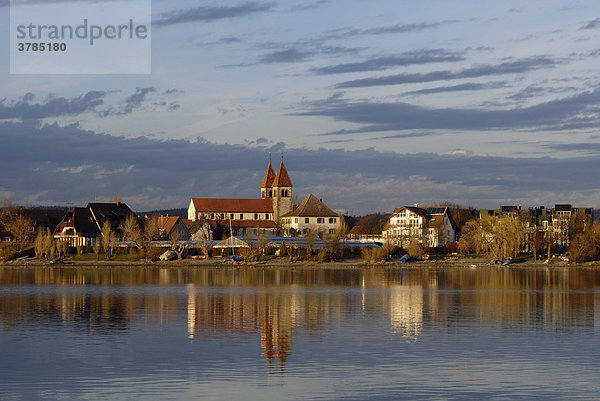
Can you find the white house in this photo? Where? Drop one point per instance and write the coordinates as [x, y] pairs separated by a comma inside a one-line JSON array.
[[430, 226], [311, 215]]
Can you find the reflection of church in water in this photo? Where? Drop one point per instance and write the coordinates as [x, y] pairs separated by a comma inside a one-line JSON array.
[[270, 315]]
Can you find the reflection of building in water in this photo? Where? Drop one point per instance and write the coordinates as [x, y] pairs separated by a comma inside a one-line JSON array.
[[406, 310], [191, 310], [276, 327], [270, 314], [269, 304]]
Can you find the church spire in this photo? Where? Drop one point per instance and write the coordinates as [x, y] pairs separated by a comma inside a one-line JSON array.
[[267, 181], [282, 179]]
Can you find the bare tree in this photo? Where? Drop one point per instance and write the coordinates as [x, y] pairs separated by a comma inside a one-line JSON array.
[[38, 245], [309, 236], [151, 230], [97, 246], [20, 228], [62, 247], [176, 246], [132, 231], [107, 238]]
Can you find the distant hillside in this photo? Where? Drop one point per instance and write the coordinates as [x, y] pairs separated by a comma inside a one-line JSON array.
[[30, 207], [171, 212]]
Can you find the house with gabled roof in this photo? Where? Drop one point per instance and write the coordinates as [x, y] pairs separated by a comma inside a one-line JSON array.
[[248, 216], [429, 226], [169, 226], [311, 215], [78, 228], [82, 226]]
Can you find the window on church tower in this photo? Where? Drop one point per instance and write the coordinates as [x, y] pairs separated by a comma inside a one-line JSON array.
[[241, 216], [255, 216]]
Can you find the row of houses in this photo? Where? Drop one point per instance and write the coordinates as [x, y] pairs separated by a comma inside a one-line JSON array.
[[276, 214]]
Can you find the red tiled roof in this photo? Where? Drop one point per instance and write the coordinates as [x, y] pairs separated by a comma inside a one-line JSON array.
[[311, 207], [167, 223], [282, 179], [187, 222], [267, 181], [233, 205]]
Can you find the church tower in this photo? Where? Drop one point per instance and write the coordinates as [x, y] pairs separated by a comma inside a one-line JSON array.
[[266, 187], [282, 192]]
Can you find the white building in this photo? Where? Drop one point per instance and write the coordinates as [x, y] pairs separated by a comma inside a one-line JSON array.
[[311, 215], [430, 226]]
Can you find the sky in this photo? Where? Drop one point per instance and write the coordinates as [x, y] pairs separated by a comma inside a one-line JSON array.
[[373, 104]]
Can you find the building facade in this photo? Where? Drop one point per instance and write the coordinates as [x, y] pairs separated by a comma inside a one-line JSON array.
[[248, 216], [429, 226], [311, 216]]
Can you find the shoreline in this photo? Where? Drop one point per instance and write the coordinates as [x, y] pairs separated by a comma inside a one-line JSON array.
[[463, 263]]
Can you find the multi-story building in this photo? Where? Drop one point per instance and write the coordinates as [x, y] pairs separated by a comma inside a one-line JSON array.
[[249, 216], [311, 215], [429, 226]]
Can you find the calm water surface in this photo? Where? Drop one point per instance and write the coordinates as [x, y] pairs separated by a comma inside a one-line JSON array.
[[303, 334]]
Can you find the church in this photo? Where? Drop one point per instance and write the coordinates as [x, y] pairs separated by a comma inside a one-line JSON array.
[[249, 216], [274, 213]]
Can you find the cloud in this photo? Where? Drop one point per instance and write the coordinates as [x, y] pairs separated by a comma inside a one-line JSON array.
[[52, 106], [469, 86], [173, 91], [309, 6], [131, 103], [381, 63], [507, 67], [285, 56], [51, 164], [579, 111], [593, 24], [297, 52], [585, 147], [343, 33], [224, 40], [212, 13], [137, 98], [534, 91]]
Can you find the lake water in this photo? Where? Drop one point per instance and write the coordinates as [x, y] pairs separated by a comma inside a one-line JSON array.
[[300, 334]]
